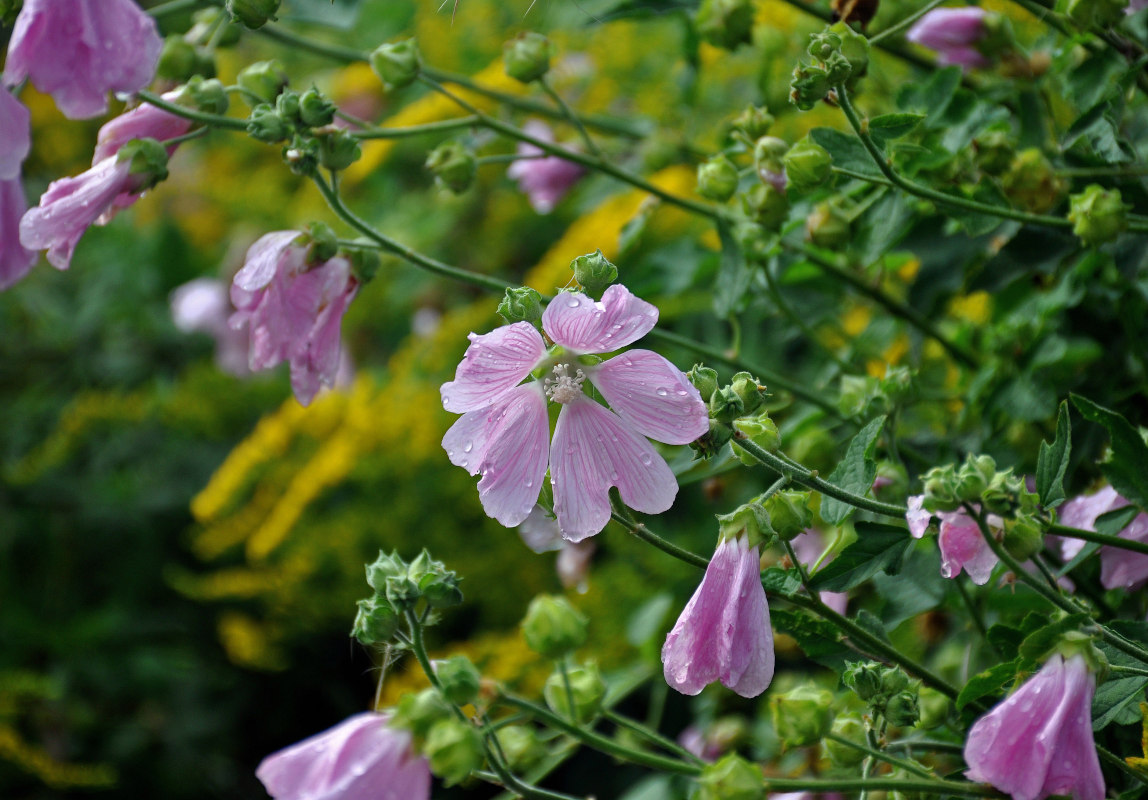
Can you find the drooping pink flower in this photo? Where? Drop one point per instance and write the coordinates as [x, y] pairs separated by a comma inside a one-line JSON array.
[[15, 259], [960, 541], [540, 533], [143, 122], [1038, 741], [723, 633], [504, 427], [79, 50], [15, 135], [203, 306], [544, 181], [808, 546], [294, 310], [1119, 569], [361, 758], [953, 33]]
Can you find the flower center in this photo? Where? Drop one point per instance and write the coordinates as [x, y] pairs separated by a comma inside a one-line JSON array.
[[562, 388]]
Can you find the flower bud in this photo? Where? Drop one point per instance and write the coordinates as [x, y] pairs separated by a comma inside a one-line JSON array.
[[206, 27], [401, 592], [711, 443], [321, 242], [253, 14], [753, 123], [995, 150], [263, 79], [768, 152], [177, 59], [725, 23], [375, 622], [750, 520], [552, 627], [827, 226], [731, 778], [417, 712], [801, 716], [847, 726], [526, 58], [1031, 182], [971, 481], [453, 165], [315, 110], [397, 64], [864, 678], [287, 104], [704, 379], [1023, 538], [364, 262], [807, 165], [454, 750], [749, 389], [1098, 215], [789, 513], [586, 687], [855, 49], [762, 431], [459, 679], [766, 205], [893, 680], [383, 567], [824, 44], [148, 159], [339, 150], [934, 708], [207, 94], [521, 304], [941, 489], [902, 710], [1002, 496], [717, 179], [436, 584], [520, 745], [837, 69], [594, 272], [726, 405], [808, 86]]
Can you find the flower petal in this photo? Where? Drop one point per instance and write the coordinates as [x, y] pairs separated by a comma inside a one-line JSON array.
[[1075, 767], [653, 396], [963, 546], [1121, 568], [746, 633], [15, 135], [506, 442], [578, 323], [917, 517], [262, 261], [593, 450], [494, 363]]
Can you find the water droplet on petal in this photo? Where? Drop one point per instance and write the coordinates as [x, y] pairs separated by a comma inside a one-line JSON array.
[[662, 392], [468, 447], [646, 459], [573, 303]]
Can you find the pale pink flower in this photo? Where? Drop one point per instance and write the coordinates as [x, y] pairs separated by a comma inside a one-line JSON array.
[[1136, 5], [808, 546], [1119, 569], [203, 306], [15, 259], [294, 310], [15, 135], [1038, 741], [143, 122], [953, 33], [79, 50], [361, 758], [960, 541], [544, 181], [723, 633], [503, 431], [540, 533]]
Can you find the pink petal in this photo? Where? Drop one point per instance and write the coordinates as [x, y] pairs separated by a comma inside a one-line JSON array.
[[1075, 767], [593, 450], [507, 443], [494, 363], [578, 323], [143, 122], [1081, 512], [963, 546], [652, 396], [15, 259], [262, 261], [917, 517], [1123, 569], [15, 135], [316, 355]]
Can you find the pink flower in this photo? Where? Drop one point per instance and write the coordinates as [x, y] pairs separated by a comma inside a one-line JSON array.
[[79, 50], [294, 310], [15, 135], [540, 533], [504, 426], [1119, 569], [203, 306], [723, 633], [1038, 741], [953, 33], [808, 546], [545, 181], [1136, 5], [361, 758], [960, 541], [143, 122], [15, 259]]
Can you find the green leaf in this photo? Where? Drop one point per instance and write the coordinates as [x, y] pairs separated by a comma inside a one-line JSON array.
[[1127, 470], [1037, 644], [872, 624], [846, 150], [643, 9], [855, 473], [1052, 461], [817, 638], [647, 621], [989, 683], [1118, 702], [878, 547], [887, 127], [1110, 523], [733, 274], [933, 96], [785, 582], [1005, 639]]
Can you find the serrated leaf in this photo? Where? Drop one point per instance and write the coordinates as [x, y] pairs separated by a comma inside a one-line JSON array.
[[1052, 461], [1037, 644], [1117, 702], [846, 150], [817, 638], [878, 547], [855, 473], [733, 274], [1005, 639], [989, 683], [785, 582], [887, 127], [1127, 470]]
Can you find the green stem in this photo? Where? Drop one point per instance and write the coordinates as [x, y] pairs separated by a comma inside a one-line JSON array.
[[905, 23], [1116, 761], [1129, 670], [908, 766], [651, 735], [175, 6], [1100, 538], [570, 116], [397, 132], [929, 744], [648, 536], [867, 767], [202, 117], [974, 612]]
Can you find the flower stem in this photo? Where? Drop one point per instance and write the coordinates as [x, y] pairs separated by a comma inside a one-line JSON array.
[[175, 6], [202, 117], [446, 125], [651, 735], [908, 766], [570, 116], [905, 23], [1100, 538], [647, 535]]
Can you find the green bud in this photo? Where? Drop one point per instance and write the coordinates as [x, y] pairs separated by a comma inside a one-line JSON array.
[[726, 405], [855, 49], [717, 179], [801, 716], [253, 14], [864, 678], [176, 60], [458, 678], [594, 272], [552, 627], [315, 110], [828, 226], [383, 567], [1031, 182], [148, 159], [749, 389], [902, 710], [971, 481], [206, 27], [207, 94], [1095, 13], [750, 520], [339, 150], [1078, 643], [808, 86], [1002, 496], [711, 443], [768, 152], [321, 242], [401, 592], [731, 778], [847, 726], [521, 304], [397, 64], [766, 205], [789, 513], [1098, 215], [934, 708], [824, 44], [893, 680], [264, 79], [287, 104], [762, 431], [586, 687], [364, 262], [375, 622], [1023, 538], [204, 63], [807, 165], [995, 150], [725, 23], [837, 69], [454, 166], [941, 489], [417, 712], [526, 58], [520, 745], [704, 379], [454, 750], [435, 583], [753, 123]]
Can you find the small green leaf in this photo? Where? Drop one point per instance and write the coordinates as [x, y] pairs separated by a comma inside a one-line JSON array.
[[1118, 702], [817, 638], [733, 274], [785, 582], [1037, 644], [1052, 461], [855, 473], [887, 127], [1127, 470], [846, 150], [989, 683], [878, 547], [1110, 523]]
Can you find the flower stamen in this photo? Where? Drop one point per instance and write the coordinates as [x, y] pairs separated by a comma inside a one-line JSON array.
[[563, 388]]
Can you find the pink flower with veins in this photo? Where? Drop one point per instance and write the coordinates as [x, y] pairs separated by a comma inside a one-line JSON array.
[[1038, 741], [953, 34], [361, 758], [724, 632], [544, 181], [960, 541], [15, 135], [504, 429], [808, 547], [1119, 569]]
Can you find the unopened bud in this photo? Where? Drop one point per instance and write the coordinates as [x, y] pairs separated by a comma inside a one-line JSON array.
[[801, 716], [1098, 215], [750, 520], [594, 272], [768, 152], [753, 123], [1023, 538], [731, 778], [855, 49], [177, 59], [725, 23], [253, 14], [847, 726], [761, 430], [520, 745], [864, 678], [808, 86], [397, 64], [417, 712], [454, 166], [315, 110], [521, 304], [587, 689], [941, 489], [726, 405], [375, 622], [148, 160], [207, 94], [339, 150], [749, 389], [902, 709], [383, 567], [717, 179], [263, 79], [287, 104], [364, 262], [526, 58], [207, 28], [552, 627], [807, 165], [458, 678], [789, 513], [1031, 182], [766, 205], [454, 750], [321, 242], [704, 379]]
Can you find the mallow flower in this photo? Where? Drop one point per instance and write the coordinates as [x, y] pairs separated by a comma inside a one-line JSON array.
[[361, 758], [79, 50], [15, 135], [294, 309], [504, 429], [546, 180], [1038, 741], [723, 634], [960, 541], [15, 141], [953, 33], [203, 306], [808, 546], [1119, 569]]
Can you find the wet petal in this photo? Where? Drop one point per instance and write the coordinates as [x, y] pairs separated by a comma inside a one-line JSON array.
[[576, 322], [1122, 568], [653, 396], [963, 547], [917, 517], [494, 363], [747, 635], [262, 261]]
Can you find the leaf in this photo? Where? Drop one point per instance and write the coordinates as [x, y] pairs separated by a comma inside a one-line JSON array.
[[887, 127], [877, 548], [916, 588], [641, 9], [733, 274], [933, 96], [846, 150], [855, 473], [872, 624], [1118, 702], [989, 683], [1052, 461], [1127, 470], [1037, 644], [1005, 639], [785, 582], [1110, 523], [647, 621], [817, 638]]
